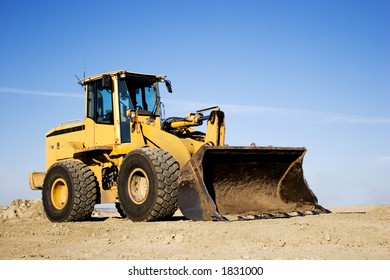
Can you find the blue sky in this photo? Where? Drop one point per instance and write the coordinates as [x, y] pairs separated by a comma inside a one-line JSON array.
[[286, 73]]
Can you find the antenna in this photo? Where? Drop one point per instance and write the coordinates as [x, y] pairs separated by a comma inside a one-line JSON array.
[[84, 69], [79, 81]]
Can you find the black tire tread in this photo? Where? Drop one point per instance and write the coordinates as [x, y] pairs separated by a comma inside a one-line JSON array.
[[84, 189], [119, 209], [167, 175]]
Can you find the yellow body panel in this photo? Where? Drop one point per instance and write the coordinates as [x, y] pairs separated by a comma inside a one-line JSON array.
[[36, 180], [104, 134], [63, 141], [168, 142]]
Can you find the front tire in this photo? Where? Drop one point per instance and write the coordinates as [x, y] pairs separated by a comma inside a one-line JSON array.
[[120, 210], [69, 191], [147, 184]]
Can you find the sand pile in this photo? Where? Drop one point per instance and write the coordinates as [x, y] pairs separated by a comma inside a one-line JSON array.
[[25, 209], [22, 209]]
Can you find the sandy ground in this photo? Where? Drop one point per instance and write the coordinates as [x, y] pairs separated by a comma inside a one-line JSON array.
[[353, 233]]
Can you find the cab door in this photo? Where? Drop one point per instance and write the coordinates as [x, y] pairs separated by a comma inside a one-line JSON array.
[[100, 129]]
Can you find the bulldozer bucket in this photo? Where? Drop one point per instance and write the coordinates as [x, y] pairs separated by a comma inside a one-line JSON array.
[[222, 181]]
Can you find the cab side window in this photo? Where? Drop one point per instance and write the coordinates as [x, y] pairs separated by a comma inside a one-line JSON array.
[[99, 106]]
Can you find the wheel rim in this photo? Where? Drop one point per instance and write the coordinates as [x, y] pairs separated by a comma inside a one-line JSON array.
[[138, 186], [59, 194]]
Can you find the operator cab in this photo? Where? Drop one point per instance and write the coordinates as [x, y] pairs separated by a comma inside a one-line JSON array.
[[111, 95]]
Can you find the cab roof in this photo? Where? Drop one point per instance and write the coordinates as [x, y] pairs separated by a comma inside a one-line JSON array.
[[117, 72]]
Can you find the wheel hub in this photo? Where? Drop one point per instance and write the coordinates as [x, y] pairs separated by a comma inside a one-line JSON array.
[[59, 194], [138, 186]]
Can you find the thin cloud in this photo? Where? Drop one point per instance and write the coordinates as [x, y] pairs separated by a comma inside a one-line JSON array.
[[38, 92], [316, 117], [258, 109], [385, 159], [352, 119], [234, 109]]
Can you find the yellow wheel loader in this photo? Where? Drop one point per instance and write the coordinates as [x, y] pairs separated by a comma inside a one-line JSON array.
[[125, 153]]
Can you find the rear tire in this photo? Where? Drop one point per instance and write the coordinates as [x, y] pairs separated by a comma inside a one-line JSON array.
[[69, 191], [147, 184]]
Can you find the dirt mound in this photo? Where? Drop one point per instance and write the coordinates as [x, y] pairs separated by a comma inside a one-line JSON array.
[[26, 209], [22, 209]]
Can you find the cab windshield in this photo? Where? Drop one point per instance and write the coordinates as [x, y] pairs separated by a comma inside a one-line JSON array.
[[139, 93]]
